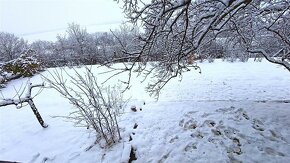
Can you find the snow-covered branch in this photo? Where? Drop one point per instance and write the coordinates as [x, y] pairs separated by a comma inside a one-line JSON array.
[[20, 100], [174, 31], [28, 98], [271, 59]]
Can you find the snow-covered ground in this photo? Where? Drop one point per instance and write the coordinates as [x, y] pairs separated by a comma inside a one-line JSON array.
[[232, 112]]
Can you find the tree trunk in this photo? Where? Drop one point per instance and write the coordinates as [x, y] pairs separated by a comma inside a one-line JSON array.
[[36, 113]]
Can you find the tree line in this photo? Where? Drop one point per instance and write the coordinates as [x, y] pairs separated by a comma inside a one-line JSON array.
[[75, 47]]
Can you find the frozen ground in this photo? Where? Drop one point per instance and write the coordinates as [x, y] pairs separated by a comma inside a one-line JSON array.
[[232, 112]]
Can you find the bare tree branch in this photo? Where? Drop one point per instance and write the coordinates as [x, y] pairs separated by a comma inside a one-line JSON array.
[[270, 59], [26, 99]]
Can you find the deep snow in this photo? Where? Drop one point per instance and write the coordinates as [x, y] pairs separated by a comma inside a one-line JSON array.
[[231, 112]]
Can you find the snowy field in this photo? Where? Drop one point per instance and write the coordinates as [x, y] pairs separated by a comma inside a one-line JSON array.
[[232, 112]]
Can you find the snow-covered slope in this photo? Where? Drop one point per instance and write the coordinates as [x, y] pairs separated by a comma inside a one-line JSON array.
[[232, 112]]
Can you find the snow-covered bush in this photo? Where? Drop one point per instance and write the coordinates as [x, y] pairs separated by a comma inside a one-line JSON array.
[[25, 65], [5, 77], [96, 107]]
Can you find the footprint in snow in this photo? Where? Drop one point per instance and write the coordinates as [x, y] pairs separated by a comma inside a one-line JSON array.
[[164, 158], [188, 122], [216, 132], [206, 115], [216, 140], [172, 140], [209, 123], [230, 132], [48, 159], [233, 159], [190, 114], [273, 136], [198, 135], [225, 110], [278, 135], [258, 125], [245, 115], [234, 149], [135, 126], [241, 114], [271, 151], [190, 147], [188, 125]]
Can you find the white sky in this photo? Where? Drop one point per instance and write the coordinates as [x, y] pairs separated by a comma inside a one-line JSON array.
[[44, 19]]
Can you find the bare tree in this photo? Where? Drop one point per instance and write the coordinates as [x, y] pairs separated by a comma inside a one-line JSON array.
[[77, 47], [174, 30], [261, 28], [177, 29], [11, 46], [77, 37], [272, 27], [45, 51], [124, 40]]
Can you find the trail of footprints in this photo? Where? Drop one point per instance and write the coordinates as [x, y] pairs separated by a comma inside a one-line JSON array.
[[218, 133]]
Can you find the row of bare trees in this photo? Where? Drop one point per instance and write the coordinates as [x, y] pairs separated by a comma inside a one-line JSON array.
[[75, 47], [11, 46]]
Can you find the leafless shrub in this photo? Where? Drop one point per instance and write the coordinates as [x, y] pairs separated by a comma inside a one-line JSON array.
[[96, 106]]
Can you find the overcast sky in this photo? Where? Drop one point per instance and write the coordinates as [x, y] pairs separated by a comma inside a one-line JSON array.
[[44, 19]]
